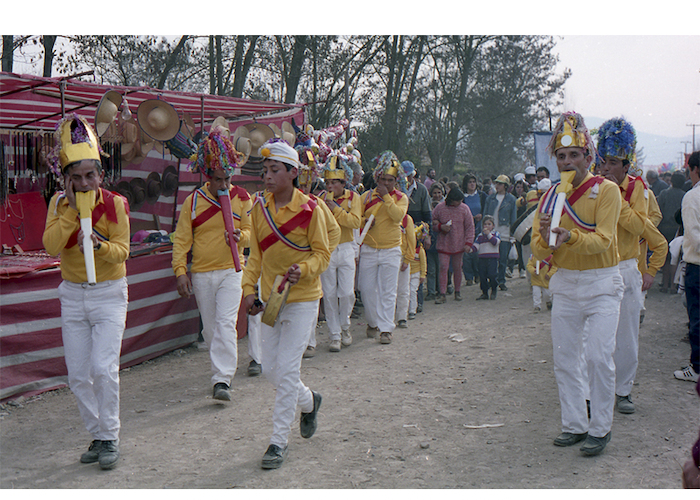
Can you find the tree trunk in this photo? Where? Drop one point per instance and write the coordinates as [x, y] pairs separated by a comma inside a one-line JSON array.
[[219, 67], [171, 61], [7, 52], [48, 41], [294, 75], [212, 81]]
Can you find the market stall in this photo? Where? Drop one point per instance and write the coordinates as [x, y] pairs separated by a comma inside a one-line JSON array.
[[148, 170]]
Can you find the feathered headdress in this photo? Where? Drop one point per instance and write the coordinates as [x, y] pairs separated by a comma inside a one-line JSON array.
[[336, 167], [570, 131], [215, 152], [617, 139], [422, 230], [75, 141]]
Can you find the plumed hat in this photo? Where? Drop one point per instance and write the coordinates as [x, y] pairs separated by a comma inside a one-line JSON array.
[[75, 141], [570, 131], [215, 152], [388, 163], [336, 167], [617, 139]]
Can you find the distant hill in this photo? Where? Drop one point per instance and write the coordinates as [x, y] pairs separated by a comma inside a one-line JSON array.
[[658, 149]]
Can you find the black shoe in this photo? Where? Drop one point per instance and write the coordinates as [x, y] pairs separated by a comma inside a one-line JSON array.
[[254, 368], [493, 294], [484, 296], [595, 445], [503, 287], [109, 454], [274, 457], [569, 438], [221, 392], [93, 454], [307, 422]]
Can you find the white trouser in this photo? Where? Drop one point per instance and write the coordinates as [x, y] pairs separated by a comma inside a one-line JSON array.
[[414, 284], [218, 295], [93, 318], [627, 338], [338, 282], [584, 321], [254, 344], [403, 293], [282, 349], [312, 334], [537, 293], [379, 273]]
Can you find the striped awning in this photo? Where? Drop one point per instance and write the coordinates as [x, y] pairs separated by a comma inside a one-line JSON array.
[[34, 103]]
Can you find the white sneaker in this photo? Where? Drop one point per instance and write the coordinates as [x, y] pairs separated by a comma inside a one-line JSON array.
[[686, 373], [345, 337], [523, 273], [335, 346]]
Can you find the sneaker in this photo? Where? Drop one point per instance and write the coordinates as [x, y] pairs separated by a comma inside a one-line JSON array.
[[307, 421], [687, 373], [641, 318], [274, 457], [469, 282], [537, 309], [221, 392], [109, 455], [450, 289], [402, 323], [430, 296], [412, 315], [310, 352], [345, 338], [595, 445], [483, 296], [321, 320], [334, 346], [549, 306], [569, 438], [440, 299], [372, 332], [503, 287], [254, 369], [419, 308], [458, 295], [385, 338], [624, 404], [93, 454], [476, 279], [509, 273]]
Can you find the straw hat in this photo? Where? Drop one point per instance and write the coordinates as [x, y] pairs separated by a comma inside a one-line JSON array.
[[259, 134], [242, 145], [222, 124], [107, 111], [169, 181], [288, 133], [276, 130], [503, 179], [153, 188], [158, 119]]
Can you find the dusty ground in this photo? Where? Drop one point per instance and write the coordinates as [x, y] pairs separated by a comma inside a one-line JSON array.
[[392, 416]]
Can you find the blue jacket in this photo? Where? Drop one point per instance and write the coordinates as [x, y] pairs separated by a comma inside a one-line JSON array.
[[507, 214]]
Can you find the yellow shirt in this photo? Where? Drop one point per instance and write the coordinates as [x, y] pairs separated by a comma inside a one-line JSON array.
[[408, 239], [419, 264], [348, 215], [657, 244], [633, 217], [388, 214], [655, 215], [210, 250], [545, 270], [586, 249], [531, 199], [277, 258], [62, 222], [334, 230]]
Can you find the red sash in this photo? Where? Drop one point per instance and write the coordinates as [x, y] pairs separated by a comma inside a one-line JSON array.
[[213, 209], [105, 208], [583, 188], [630, 188], [302, 220]]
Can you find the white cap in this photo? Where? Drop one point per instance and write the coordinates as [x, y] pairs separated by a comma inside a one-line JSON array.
[[544, 184], [530, 170]]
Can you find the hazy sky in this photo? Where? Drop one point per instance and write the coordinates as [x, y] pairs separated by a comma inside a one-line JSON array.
[[654, 81]]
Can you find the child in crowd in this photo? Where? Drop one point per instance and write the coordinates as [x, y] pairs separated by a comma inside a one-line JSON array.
[[419, 268], [403, 291], [540, 273], [486, 244]]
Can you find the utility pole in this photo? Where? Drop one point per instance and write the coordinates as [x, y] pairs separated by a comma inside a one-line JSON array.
[[693, 125], [686, 145]]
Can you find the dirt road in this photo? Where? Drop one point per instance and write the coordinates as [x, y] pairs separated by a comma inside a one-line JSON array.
[[393, 416]]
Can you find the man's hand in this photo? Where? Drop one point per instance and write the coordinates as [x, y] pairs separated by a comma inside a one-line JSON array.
[[563, 235], [184, 286], [249, 305], [236, 236], [404, 266], [647, 281], [545, 221], [95, 241], [70, 192], [382, 190], [294, 274]]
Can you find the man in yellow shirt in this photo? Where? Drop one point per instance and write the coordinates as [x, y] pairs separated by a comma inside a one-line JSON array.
[[338, 281], [93, 316], [216, 283], [616, 150], [289, 237], [587, 288], [380, 253]]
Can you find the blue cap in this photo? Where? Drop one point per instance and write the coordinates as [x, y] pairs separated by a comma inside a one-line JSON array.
[[408, 167]]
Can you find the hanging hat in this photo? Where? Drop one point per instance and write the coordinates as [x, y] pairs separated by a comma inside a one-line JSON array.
[[503, 179], [289, 134], [107, 111], [169, 181], [75, 141], [221, 124], [153, 188], [124, 189], [215, 152], [259, 134], [276, 130], [570, 131], [138, 188], [147, 143], [158, 119], [408, 167], [388, 163], [336, 167], [242, 145], [617, 139]]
